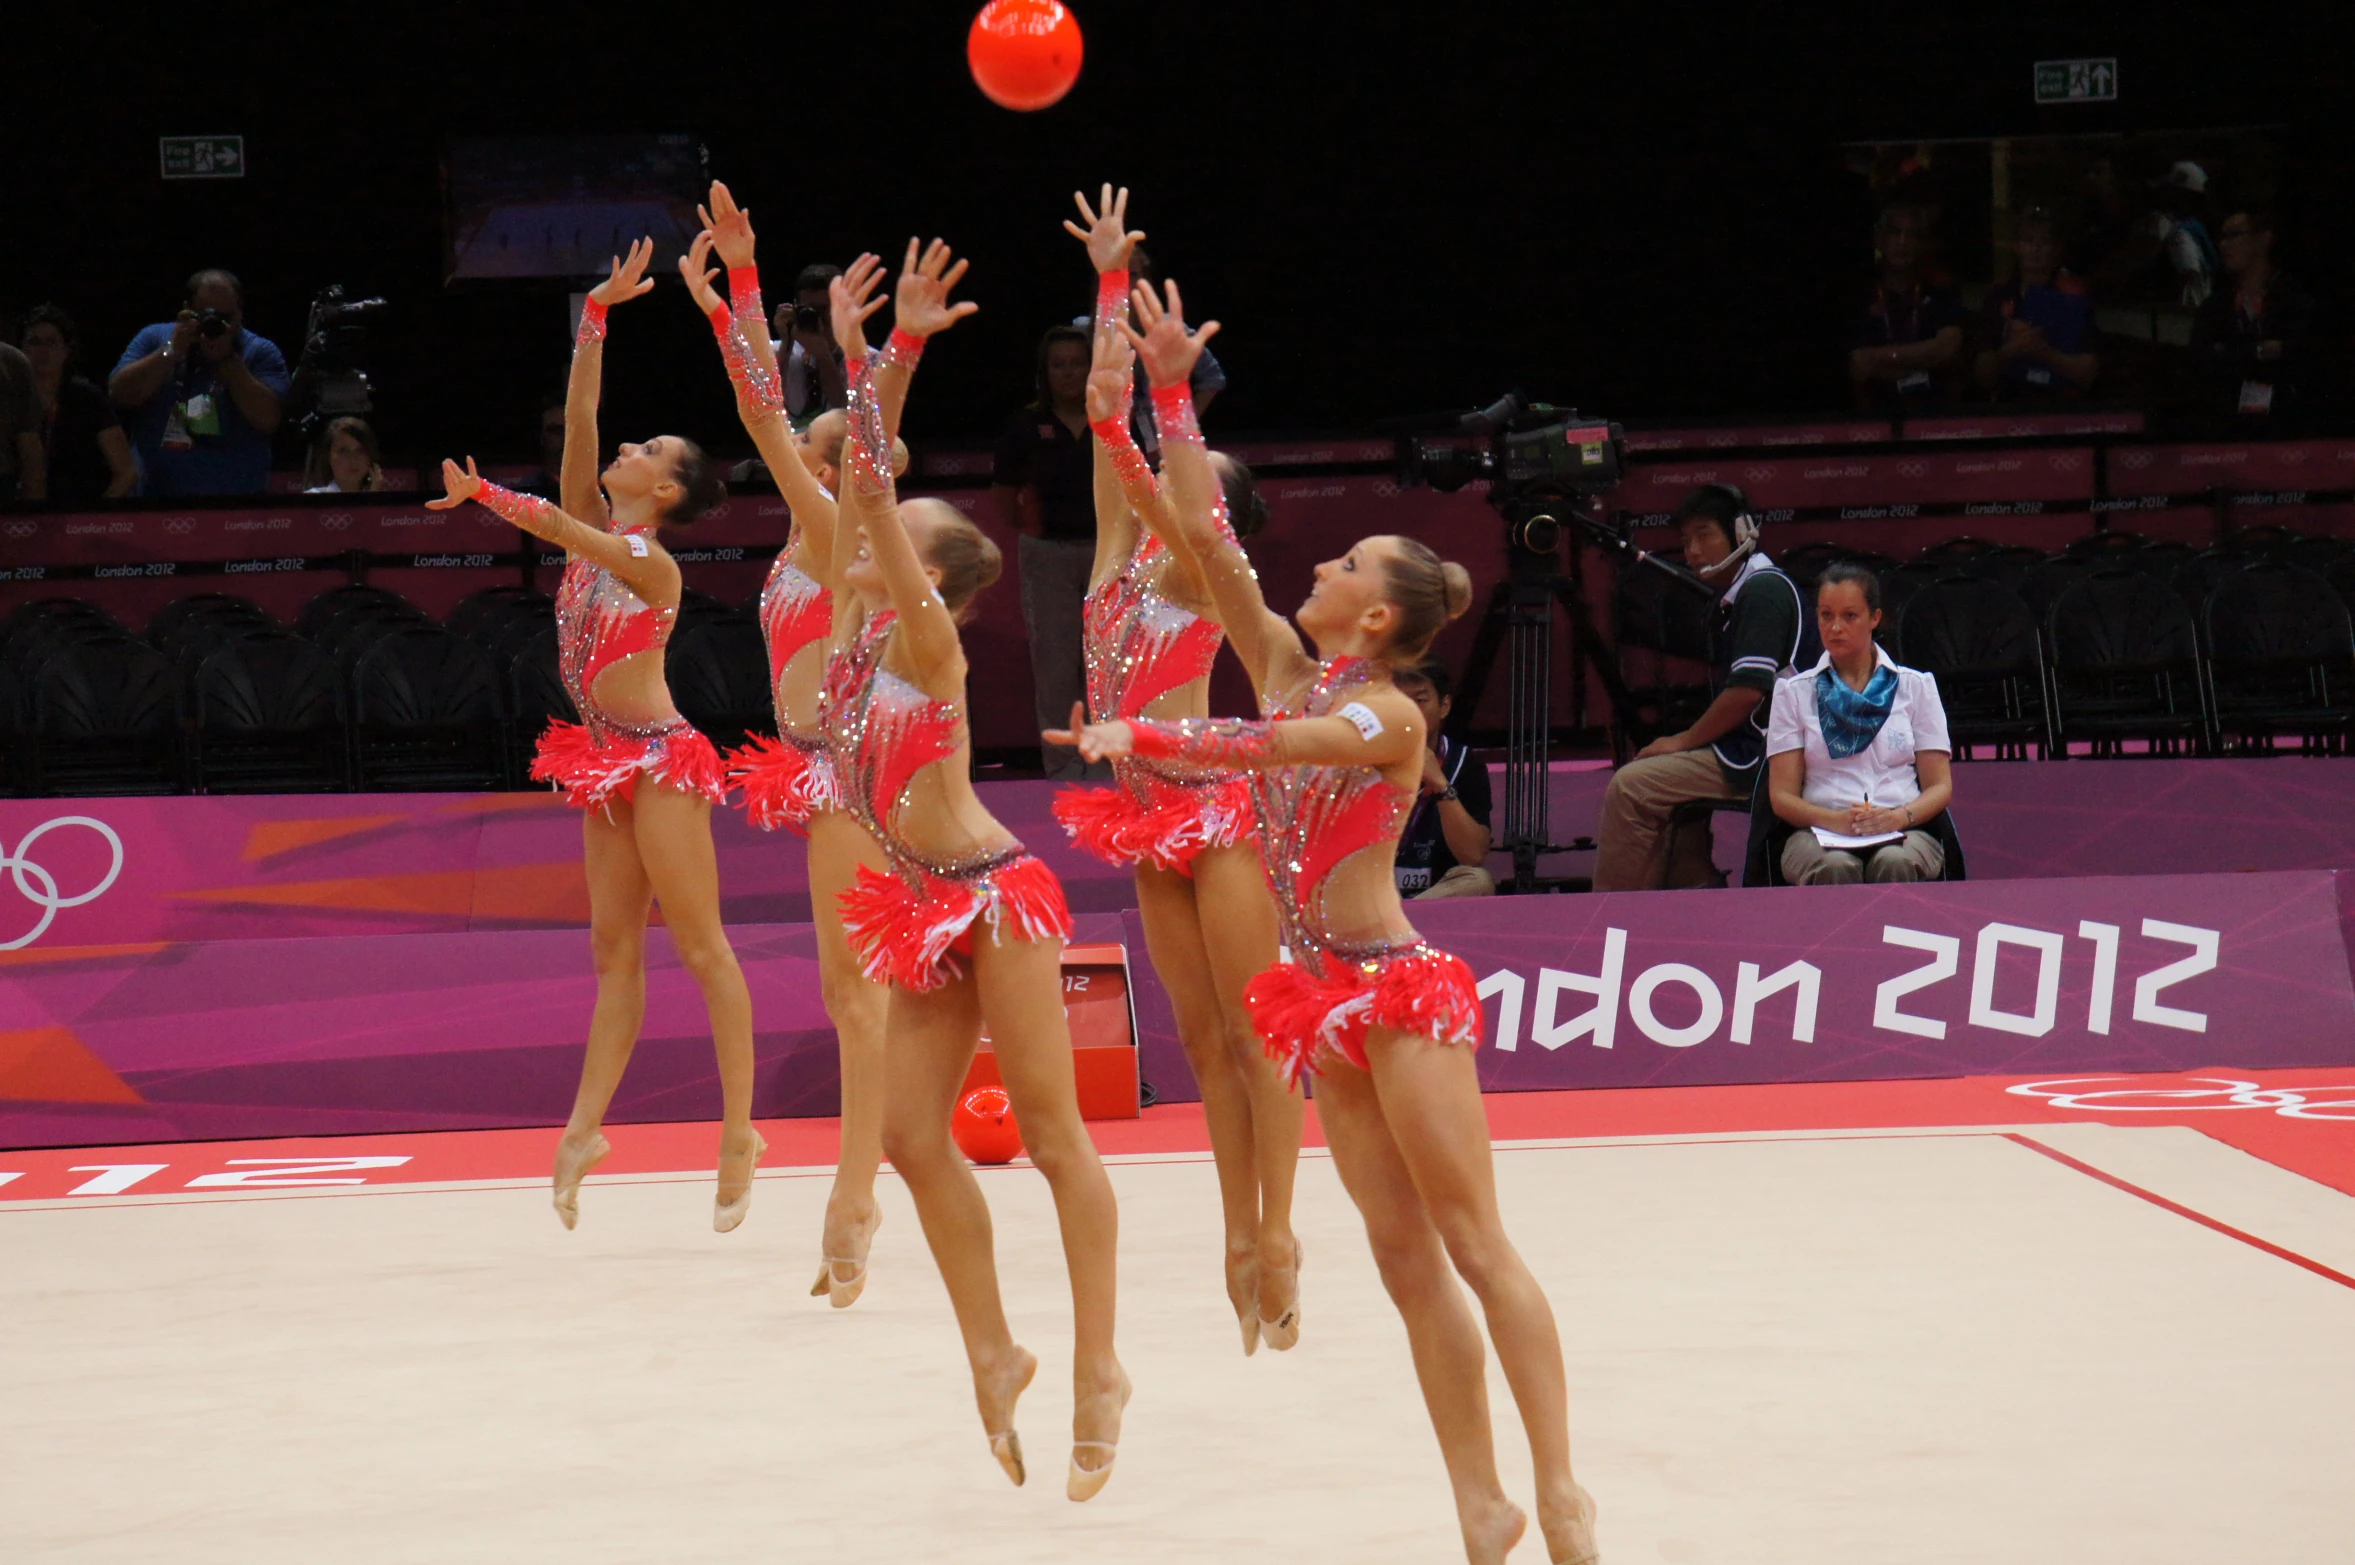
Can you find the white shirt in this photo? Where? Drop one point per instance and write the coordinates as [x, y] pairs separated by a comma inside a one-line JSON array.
[[1882, 773]]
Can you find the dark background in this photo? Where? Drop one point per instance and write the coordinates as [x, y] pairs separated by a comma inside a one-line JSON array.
[[1641, 209]]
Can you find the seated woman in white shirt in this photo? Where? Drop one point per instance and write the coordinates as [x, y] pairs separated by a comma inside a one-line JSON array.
[[1857, 756]]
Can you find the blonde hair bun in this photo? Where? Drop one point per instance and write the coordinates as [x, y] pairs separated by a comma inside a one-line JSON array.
[[1459, 588]]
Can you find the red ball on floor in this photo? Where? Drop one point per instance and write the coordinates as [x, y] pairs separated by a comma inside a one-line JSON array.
[[984, 1126]]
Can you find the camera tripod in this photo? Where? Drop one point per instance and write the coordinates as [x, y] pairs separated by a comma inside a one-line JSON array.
[[1518, 624]]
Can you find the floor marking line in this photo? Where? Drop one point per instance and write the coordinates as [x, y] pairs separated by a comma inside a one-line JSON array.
[[2180, 1210]]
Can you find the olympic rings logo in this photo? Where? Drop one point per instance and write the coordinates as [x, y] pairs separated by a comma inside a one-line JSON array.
[[2212, 1092], [40, 887]]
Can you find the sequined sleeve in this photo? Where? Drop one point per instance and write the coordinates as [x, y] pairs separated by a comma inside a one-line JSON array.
[[756, 386], [1128, 463], [902, 350], [534, 515], [1111, 299], [744, 293], [866, 450], [1173, 410], [592, 328], [1217, 743]]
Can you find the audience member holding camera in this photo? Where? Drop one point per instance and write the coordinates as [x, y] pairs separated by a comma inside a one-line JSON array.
[[1857, 753], [1443, 851], [203, 395], [815, 379], [1759, 633]]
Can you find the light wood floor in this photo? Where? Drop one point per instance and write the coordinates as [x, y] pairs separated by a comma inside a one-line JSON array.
[[1851, 1348]]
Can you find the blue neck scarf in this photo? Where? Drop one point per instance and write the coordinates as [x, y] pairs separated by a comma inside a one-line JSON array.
[[1851, 719]]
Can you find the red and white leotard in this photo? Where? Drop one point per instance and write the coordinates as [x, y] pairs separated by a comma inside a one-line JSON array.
[[789, 778], [1328, 991], [600, 621], [908, 926], [1139, 647]]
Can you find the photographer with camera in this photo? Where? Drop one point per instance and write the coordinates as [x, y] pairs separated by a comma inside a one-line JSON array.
[[815, 380], [203, 395], [1761, 631]]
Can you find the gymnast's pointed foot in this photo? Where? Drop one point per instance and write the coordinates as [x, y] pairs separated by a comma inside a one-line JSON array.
[[996, 1390], [1491, 1528], [1087, 1479], [740, 1152], [1570, 1538], [575, 1156]]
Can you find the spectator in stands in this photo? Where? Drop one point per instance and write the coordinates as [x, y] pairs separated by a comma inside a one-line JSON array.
[[815, 380], [1857, 753], [1443, 851], [85, 454], [1759, 632], [345, 459], [23, 465], [1044, 477], [203, 394], [2036, 331], [2252, 342], [2179, 224], [1908, 339]]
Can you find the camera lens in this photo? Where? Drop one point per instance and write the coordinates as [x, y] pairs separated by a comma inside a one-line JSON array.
[[807, 318], [212, 324]]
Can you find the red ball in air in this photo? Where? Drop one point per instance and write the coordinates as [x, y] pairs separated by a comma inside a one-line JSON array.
[[984, 1126], [1024, 53]]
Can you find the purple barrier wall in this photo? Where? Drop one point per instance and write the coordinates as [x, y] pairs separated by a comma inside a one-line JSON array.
[[2142, 973], [352, 1034], [245, 868], [348, 1035]]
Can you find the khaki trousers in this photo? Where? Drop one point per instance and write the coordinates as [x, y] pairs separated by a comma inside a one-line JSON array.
[[1915, 856], [1465, 880], [1634, 831]]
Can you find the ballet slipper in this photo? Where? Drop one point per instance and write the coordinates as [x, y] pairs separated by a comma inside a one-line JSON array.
[[1085, 1483], [1588, 1552], [573, 1162], [1006, 1444], [1283, 1333], [1243, 1283], [726, 1215], [843, 1292]]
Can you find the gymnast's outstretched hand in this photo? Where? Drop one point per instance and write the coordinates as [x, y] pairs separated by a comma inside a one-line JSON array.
[[729, 225], [1167, 347], [922, 307], [629, 280], [1096, 741], [853, 299], [458, 486], [1107, 234]]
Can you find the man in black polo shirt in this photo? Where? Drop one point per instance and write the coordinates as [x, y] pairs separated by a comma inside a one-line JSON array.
[[1762, 630], [1442, 851]]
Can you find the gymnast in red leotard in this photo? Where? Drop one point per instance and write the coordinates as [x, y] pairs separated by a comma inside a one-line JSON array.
[[1151, 634], [643, 779], [968, 927], [789, 781], [1386, 1022]]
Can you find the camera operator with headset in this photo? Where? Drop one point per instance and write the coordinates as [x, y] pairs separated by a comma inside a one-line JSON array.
[[1761, 631], [202, 395]]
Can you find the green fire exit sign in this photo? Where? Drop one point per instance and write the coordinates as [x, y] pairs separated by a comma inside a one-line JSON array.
[[2077, 81]]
